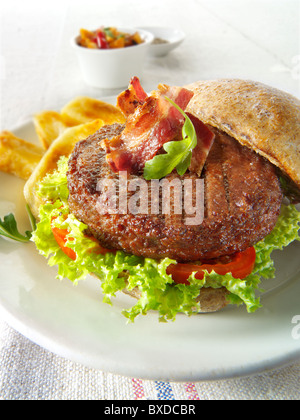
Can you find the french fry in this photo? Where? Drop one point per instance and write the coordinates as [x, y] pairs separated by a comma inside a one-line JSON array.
[[17, 156], [58, 134], [49, 125], [62, 146], [84, 109]]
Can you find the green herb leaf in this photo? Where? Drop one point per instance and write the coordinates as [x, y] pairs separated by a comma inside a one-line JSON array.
[[179, 153], [31, 218], [108, 32], [8, 228]]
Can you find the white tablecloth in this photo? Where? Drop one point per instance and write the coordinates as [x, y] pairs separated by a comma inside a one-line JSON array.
[[254, 39]]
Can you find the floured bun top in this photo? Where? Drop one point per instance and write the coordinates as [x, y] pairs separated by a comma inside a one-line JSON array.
[[258, 116]]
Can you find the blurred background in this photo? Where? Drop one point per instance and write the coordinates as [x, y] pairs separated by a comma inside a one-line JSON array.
[[255, 39]]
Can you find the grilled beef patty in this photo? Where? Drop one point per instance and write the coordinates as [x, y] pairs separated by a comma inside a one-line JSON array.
[[242, 202]]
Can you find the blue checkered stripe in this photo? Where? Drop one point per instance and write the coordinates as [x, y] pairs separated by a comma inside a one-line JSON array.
[[164, 390]]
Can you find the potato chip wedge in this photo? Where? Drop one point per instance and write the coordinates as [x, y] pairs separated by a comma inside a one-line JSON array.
[[62, 146], [17, 156], [84, 109], [49, 125]]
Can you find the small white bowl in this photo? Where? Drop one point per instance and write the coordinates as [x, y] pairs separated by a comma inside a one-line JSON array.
[[173, 36], [113, 68]]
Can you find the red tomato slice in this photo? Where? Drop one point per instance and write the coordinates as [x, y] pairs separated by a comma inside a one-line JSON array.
[[240, 266], [61, 238]]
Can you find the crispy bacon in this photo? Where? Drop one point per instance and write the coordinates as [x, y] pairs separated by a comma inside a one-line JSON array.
[[152, 124], [132, 97], [205, 139]]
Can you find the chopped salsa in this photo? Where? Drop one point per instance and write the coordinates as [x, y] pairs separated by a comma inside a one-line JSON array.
[[107, 38]]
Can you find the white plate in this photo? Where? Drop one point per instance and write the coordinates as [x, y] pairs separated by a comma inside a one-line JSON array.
[[72, 321]]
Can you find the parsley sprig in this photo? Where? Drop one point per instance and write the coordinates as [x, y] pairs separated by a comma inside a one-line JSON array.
[[179, 153]]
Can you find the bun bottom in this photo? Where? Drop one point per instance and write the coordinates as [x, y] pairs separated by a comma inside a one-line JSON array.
[[211, 300]]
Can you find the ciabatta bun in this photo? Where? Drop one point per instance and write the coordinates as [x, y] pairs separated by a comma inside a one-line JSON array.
[[259, 116]]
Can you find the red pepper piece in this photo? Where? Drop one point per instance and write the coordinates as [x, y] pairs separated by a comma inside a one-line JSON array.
[[101, 40]]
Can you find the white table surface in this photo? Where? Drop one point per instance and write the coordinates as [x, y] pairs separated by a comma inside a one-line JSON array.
[[251, 39]]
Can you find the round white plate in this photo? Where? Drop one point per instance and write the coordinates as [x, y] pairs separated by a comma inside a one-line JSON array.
[[73, 322]]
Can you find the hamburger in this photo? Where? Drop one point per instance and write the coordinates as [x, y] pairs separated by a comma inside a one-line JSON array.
[[239, 138]]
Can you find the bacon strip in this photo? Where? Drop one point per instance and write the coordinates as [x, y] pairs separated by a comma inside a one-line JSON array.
[[152, 124], [132, 97], [205, 139]]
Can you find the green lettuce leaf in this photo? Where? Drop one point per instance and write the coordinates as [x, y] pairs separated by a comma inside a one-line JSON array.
[[119, 270]]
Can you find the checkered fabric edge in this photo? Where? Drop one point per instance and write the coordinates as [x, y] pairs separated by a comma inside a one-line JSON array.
[[163, 390]]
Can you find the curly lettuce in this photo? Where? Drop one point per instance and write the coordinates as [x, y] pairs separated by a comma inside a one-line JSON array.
[[120, 270]]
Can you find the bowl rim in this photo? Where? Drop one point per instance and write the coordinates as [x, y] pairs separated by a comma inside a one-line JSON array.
[[152, 29], [149, 38]]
